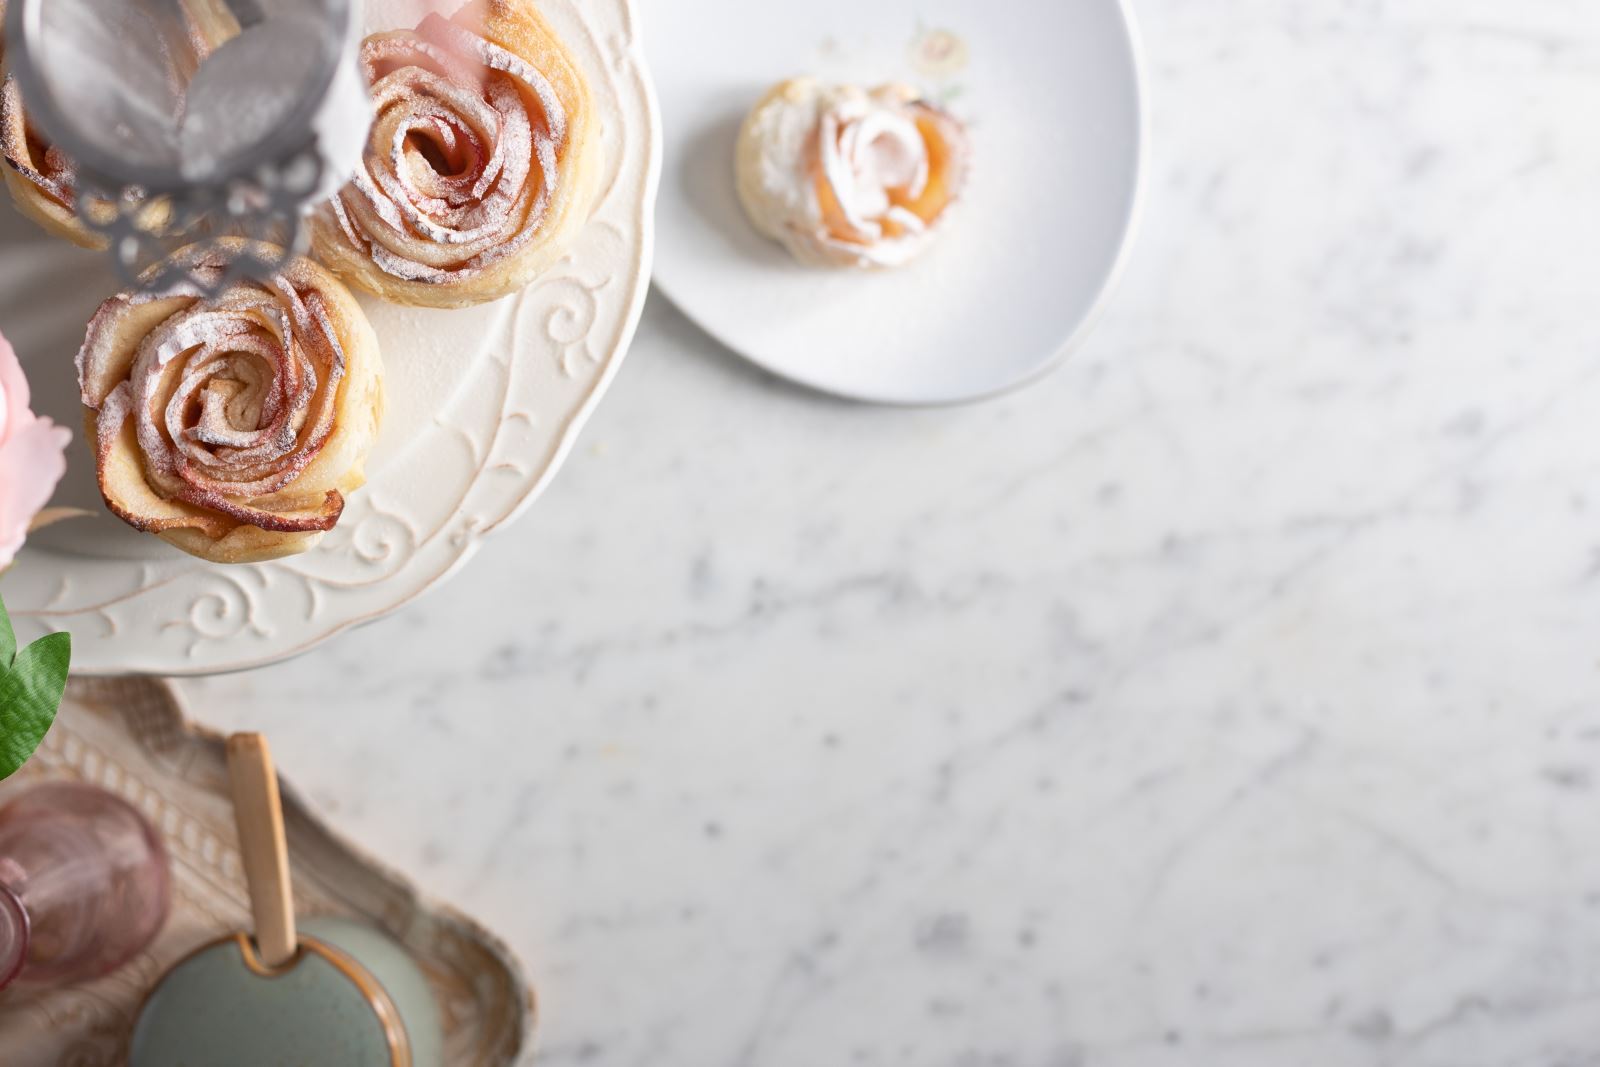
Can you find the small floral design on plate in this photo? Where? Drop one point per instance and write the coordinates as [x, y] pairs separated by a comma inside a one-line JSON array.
[[938, 55]]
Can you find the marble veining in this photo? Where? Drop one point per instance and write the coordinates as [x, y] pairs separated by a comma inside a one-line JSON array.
[[1226, 699]]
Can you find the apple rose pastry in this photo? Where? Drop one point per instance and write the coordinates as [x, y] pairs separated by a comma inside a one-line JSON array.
[[38, 176], [845, 176], [41, 179], [232, 426], [480, 163]]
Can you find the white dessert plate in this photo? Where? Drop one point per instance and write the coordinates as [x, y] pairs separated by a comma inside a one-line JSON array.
[[1051, 92], [482, 406]]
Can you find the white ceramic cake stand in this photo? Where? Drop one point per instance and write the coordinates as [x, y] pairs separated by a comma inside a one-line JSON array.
[[483, 405]]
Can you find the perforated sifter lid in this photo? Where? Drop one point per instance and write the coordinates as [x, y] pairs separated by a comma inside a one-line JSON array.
[[134, 89], [229, 110]]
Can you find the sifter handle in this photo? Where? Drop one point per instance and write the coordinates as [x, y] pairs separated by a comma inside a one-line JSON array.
[[258, 812]]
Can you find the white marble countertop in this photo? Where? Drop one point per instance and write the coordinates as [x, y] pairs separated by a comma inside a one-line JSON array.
[[1228, 698]]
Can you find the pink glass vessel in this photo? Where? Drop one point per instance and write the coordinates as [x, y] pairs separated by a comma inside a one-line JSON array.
[[84, 884]]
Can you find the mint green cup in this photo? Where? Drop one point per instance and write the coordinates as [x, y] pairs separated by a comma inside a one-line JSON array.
[[351, 997]]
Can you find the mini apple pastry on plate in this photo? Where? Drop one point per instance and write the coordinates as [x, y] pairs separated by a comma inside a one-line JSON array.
[[481, 164], [40, 179], [846, 176], [43, 182], [232, 426]]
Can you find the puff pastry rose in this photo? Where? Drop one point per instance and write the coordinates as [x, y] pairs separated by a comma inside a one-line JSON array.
[[845, 176], [41, 179], [38, 176], [480, 164], [233, 426]]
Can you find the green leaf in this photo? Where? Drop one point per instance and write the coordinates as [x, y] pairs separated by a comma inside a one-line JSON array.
[[8, 638], [30, 694]]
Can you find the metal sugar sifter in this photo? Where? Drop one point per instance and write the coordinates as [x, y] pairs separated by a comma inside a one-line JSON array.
[[195, 120]]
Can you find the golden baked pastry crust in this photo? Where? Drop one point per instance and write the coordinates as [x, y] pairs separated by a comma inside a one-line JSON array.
[[233, 427], [846, 176], [451, 208]]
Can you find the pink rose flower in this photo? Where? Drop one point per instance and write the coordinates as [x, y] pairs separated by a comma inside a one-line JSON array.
[[32, 456]]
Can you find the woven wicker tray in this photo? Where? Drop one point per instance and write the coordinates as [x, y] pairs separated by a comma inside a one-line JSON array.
[[129, 735]]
